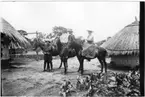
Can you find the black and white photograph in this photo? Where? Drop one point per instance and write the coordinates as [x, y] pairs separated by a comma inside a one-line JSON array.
[[64, 49]]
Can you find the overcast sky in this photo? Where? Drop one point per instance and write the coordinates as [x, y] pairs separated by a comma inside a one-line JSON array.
[[104, 18]]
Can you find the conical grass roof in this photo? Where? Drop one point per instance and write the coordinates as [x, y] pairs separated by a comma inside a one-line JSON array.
[[125, 42], [10, 31]]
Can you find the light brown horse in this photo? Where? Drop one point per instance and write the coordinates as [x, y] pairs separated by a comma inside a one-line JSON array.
[[36, 47]]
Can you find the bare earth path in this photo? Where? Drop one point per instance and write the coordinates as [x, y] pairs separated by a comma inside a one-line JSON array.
[[29, 79]]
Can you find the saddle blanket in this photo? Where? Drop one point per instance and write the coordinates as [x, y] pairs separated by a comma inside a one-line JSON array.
[[64, 38], [90, 51]]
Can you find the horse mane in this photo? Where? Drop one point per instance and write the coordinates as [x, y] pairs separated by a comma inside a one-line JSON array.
[[56, 44], [76, 44], [56, 41]]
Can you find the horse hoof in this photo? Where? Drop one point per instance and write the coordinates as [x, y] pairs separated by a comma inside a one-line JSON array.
[[81, 73], [48, 70]]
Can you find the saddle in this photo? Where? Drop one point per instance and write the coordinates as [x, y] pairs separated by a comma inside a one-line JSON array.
[[86, 45], [89, 50]]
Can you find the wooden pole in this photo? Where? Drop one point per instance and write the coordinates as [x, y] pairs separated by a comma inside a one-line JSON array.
[[36, 34]]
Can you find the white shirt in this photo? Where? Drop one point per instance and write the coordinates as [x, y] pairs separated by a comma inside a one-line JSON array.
[[90, 37]]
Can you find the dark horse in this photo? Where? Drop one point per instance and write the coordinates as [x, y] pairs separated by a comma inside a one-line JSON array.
[[60, 49], [98, 52], [47, 49], [63, 51]]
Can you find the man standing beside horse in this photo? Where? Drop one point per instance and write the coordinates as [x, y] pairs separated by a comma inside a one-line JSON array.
[[47, 49], [71, 37]]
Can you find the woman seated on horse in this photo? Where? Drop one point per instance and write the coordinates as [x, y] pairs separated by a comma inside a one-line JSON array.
[[90, 38]]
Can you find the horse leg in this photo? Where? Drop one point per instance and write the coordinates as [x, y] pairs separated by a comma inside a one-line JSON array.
[[44, 65], [51, 66], [100, 60], [60, 64], [65, 66], [37, 56], [104, 61], [80, 64], [65, 71]]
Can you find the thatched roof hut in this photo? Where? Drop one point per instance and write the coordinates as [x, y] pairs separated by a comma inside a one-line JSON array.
[[123, 47], [10, 38], [100, 42], [9, 31]]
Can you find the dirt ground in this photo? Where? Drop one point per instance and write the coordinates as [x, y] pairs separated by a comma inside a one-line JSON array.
[[28, 79]]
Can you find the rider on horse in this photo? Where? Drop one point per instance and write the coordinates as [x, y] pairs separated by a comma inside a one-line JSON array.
[[71, 37], [90, 38], [88, 47]]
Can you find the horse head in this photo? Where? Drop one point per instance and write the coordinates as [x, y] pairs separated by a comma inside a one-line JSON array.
[[36, 44], [56, 46]]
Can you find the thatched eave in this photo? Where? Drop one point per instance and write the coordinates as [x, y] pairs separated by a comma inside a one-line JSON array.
[[10, 32], [122, 52], [125, 42]]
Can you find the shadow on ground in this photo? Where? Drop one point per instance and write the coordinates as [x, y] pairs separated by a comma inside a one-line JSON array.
[[14, 63], [117, 68]]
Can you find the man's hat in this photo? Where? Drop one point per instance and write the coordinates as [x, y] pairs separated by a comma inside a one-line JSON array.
[[90, 31]]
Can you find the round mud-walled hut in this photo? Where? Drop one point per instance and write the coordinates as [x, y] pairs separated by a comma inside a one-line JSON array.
[[123, 47]]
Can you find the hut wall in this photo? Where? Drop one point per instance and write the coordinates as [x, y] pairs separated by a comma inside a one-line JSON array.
[[130, 61], [5, 53]]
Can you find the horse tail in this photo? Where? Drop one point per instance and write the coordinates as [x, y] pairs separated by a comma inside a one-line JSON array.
[[105, 54]]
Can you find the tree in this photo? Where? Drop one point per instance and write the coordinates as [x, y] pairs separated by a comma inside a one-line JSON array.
[[58, 30], [22, 32], [41, 35]]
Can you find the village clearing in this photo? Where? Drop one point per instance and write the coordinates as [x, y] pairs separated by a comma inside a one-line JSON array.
[[26, 78]]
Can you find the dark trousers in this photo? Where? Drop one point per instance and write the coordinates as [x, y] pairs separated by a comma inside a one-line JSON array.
[[47, 62], [48, 65]]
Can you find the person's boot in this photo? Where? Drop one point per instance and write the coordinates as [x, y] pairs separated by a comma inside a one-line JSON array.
[[82, 71], [51, 66], [65, 70], [89, 60]]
